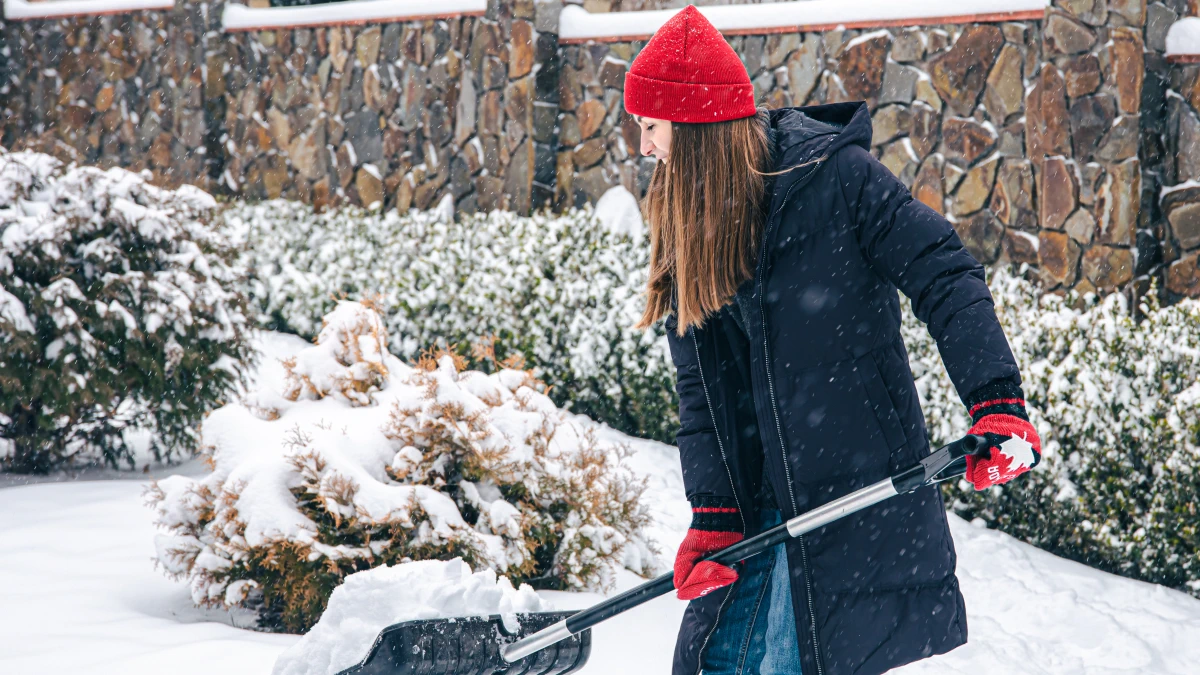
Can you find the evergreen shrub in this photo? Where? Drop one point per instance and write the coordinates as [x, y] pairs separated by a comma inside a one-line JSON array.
[[357, 460], [1116, 402], [560, 291], [1114, 398], [120, 310]]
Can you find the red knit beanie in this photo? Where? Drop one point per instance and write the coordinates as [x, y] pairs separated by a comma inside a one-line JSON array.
[[688, 73]]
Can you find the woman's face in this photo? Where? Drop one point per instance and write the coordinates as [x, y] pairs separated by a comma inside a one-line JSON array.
[[656, 137]]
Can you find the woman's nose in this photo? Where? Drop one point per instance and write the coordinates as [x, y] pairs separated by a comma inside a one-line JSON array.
[[647, 147]]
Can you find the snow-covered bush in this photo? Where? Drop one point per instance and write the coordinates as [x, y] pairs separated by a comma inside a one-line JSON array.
[[356, 459], [119, 310], [561, 292], [1117, 403]]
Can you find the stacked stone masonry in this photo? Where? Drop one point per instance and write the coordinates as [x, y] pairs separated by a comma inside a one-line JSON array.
[[1176, 147], [396, 115], [124, 90], [1071, 143], [1025, 135]]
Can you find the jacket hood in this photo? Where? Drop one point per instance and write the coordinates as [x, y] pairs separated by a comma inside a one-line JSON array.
[[807, 132], [802, 134]]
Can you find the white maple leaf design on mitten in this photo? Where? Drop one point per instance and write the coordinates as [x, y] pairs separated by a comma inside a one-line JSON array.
[[1019, 452]]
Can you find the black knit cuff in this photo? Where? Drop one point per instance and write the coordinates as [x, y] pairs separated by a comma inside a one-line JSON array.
[[1003, 397], [716, 514]]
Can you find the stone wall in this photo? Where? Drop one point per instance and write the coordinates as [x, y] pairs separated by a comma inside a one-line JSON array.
[[395, 114], [1178, 205], [948, 112], [398, 114], [1044, 142], [1028, 136], [124, 90], [1084, 125]]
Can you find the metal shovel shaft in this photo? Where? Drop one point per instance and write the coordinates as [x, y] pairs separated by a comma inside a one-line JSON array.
[[943, 462], [806, 522]]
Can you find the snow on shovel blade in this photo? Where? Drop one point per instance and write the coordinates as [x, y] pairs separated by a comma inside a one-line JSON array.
[[470, 646]]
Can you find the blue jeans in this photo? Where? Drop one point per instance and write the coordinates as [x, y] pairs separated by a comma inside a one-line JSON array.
[[756, 632]]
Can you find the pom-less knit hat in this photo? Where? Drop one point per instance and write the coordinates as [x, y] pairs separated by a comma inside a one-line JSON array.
[[688, 73]]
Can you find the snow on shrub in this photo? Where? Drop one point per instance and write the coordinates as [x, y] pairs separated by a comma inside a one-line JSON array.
[[119, 310], [1117, 403], [560, 291], [358, 460], [369, 601]]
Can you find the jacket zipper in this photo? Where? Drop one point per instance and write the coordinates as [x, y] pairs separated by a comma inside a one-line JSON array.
[[733, 488], [717, 621], [787, 471]]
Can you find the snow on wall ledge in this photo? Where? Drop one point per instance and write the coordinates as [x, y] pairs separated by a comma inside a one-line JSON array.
[[243, 18], [1183, 40], [578, 25], [22, 10]]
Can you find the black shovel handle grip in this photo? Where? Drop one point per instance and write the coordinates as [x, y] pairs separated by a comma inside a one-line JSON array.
[[945, 462]]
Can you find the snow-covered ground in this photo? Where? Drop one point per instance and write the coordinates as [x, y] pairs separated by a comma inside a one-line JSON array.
[[79, 594]]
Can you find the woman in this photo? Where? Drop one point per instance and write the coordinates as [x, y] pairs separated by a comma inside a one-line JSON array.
[[777, 246]]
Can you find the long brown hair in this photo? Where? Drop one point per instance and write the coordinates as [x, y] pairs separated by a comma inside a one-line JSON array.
[[705, 210]]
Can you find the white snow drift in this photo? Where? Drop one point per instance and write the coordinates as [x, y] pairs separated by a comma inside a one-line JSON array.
[[367, 602], [76, 563]]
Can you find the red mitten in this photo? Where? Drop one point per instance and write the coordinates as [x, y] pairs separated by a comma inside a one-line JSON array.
[[998, 412], [716, 524]]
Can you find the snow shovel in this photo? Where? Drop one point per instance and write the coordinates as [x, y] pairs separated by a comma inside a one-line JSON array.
[[555, 643]]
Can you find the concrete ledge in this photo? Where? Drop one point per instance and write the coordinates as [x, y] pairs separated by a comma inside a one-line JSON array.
[[21, 10], [577, 25], [242, 18]]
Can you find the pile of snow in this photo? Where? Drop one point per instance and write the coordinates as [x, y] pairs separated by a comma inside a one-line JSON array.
[[1183, 37], [238, 17], [367, 602], [17, 10], [620, 212], [358, 459]]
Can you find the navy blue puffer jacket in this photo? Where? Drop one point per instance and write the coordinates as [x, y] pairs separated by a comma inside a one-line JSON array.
[[818, 388]]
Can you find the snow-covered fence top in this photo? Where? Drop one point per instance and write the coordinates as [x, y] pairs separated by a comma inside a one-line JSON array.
[[1183, 40], [243, 18], [577, 25], [22, 10]]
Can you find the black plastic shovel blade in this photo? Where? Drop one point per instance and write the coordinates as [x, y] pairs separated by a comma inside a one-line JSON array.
[[470, 646]]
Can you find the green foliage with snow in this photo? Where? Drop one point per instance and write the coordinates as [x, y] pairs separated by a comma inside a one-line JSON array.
[[560, 292], [1112, 397], [1117, 404], [119, 310]]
